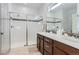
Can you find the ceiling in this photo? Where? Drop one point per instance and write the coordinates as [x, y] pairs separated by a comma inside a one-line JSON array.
[[36, 6], [69, 5]]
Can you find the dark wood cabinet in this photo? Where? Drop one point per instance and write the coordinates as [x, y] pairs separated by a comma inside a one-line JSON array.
[[66, 49], [41, 46], [49, 46], [48, 40], [46, 53], [40, 43], [44, 45], [58, 51]]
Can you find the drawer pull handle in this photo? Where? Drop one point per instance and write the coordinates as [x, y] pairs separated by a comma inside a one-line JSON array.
[[47, 46], [47, 40]]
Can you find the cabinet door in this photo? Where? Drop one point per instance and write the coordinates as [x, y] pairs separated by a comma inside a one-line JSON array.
[[41, 45], [58, 51], [38, 43], [68, 50], [46, 53]]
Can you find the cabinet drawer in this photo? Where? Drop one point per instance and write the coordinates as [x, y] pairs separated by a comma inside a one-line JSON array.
[[48, 40], [66, 48], [39, 36], [48, 47]]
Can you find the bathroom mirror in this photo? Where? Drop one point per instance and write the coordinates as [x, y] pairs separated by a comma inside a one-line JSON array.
[[65, 16]]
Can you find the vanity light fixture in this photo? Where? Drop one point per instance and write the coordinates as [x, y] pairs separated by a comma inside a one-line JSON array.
[[54, 6]]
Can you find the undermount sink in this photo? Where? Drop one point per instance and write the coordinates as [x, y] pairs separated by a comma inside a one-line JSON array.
[[72, 39]]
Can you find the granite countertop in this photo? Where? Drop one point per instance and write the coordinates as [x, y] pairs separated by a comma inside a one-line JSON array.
[[61, 38]]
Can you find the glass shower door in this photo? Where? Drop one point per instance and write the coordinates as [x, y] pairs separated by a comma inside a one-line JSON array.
[[34, 25], [33, 28]]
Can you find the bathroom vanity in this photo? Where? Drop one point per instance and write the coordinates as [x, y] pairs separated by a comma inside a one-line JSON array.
[[53, 44]]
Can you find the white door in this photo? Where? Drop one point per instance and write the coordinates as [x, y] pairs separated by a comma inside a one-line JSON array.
[[18, 33], [4, 35], [4, 29]]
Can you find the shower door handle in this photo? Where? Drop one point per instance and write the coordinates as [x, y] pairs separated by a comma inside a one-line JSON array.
[[2, 33], [12, 26]]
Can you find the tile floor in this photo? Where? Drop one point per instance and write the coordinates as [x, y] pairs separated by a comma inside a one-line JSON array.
[[28, 50]]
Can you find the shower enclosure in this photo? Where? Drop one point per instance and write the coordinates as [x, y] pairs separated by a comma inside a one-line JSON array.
[[24, 29], [17, 29]]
